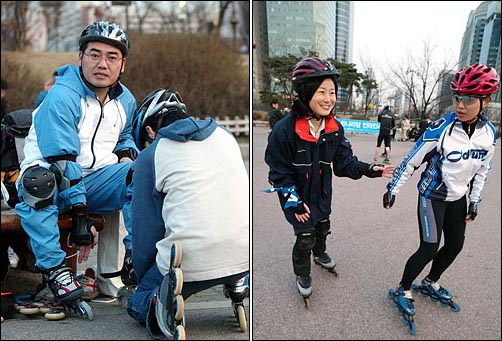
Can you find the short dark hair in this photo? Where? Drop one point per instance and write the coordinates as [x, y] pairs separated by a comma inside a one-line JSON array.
[[4, 84], [274, 101]]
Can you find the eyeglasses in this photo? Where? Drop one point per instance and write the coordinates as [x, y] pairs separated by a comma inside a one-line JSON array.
[[96, 57], [467, 99]]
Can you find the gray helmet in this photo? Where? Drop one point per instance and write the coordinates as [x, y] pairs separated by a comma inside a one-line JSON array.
[[109, 33]]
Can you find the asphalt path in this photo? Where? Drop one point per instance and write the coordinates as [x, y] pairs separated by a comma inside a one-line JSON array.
[[371, 246]]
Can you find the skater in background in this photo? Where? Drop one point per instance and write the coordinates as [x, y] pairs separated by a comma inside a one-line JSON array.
[[458, 149], [387, 125], [190, 185], [304, 149], [77, 156]]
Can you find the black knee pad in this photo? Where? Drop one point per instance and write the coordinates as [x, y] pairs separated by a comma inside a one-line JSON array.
[[305, 241], [38, 185], [323, 228]]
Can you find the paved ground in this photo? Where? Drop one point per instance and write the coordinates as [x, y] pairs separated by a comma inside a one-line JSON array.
[[371, 246]]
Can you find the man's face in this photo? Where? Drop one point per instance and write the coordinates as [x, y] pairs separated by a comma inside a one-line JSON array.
[[101, 64]]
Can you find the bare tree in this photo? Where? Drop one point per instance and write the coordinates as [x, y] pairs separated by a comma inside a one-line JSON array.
[[147, 8], [14, 24], [418, 78]]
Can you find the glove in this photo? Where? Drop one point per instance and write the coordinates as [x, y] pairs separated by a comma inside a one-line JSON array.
[[388, 200], [300, 208], [367, 169], [473, 210], [81, 227]]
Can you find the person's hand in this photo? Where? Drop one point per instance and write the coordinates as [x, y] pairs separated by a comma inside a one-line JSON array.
[[125, 159], [302, 212], [387, 171], [388, 200], [85, 250], [472, 212]]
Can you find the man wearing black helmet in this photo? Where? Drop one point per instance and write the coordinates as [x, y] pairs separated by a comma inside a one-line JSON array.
[[304, 150], [190, 187], [78, 154]]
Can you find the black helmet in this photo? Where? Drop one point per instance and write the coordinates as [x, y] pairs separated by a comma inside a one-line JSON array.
[[157, 104], [106, 32]]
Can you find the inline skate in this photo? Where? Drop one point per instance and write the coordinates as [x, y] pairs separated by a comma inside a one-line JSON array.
[[169, 303], [304, 285], [128, 277], [436, 293], [405, 307], [58, 295], [326, 263], [237, 292]]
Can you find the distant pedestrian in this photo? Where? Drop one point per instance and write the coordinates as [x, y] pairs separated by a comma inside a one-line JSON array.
[[387, 124], [274, 113], [405, 128], [458, 149]]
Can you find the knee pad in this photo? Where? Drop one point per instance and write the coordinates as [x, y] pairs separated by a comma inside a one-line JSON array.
[[323, 228], [305, 241], [38, 184]]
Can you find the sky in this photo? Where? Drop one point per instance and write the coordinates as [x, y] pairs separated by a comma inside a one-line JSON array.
[[385, 31]]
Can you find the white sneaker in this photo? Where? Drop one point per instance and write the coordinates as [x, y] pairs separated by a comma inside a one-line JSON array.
[[13, 258]]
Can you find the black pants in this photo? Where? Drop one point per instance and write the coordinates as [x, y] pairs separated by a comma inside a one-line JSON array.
[[312, 241], [434, 218]]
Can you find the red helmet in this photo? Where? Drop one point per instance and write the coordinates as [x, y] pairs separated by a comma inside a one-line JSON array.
[[312, 67], [476, 79]]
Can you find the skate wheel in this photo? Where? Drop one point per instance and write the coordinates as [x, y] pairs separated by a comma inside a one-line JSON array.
[[241, 317], [176, 254], [179, 334], [180, 308], [86, 310], [178, 286], [55, 315], [454, 307], [306, 300], [45, 310], [29, 310]]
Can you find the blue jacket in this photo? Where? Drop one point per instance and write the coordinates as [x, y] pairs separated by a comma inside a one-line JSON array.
[[71, 124], [296, 158]]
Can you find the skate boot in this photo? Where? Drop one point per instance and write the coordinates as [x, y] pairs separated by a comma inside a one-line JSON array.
[[61, 292], [404, 302], [436, 293], [237, 292], [304, 284], [326, 262], [169, 307]]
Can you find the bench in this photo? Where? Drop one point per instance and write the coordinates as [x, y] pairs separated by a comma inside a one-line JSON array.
[[12, 230]]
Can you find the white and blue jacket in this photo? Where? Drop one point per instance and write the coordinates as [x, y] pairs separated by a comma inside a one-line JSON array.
[[71, 124], [455, 162]]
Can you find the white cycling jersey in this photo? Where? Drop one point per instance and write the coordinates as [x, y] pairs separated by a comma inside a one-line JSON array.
[[454, 160]]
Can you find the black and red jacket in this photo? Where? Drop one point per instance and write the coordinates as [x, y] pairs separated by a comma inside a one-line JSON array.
[[296, 158]]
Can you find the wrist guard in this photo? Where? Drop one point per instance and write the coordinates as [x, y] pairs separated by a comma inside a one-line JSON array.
[[367, 169], [473, 210], [81, 227], [127, 152]]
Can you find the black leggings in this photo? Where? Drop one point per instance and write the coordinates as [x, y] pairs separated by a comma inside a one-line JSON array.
[[435, 217]]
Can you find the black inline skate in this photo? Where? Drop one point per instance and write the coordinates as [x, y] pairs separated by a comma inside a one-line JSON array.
[[326, 263], [237, 292], [304, 285], [169, 307], [405, 307], [436, 293]]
